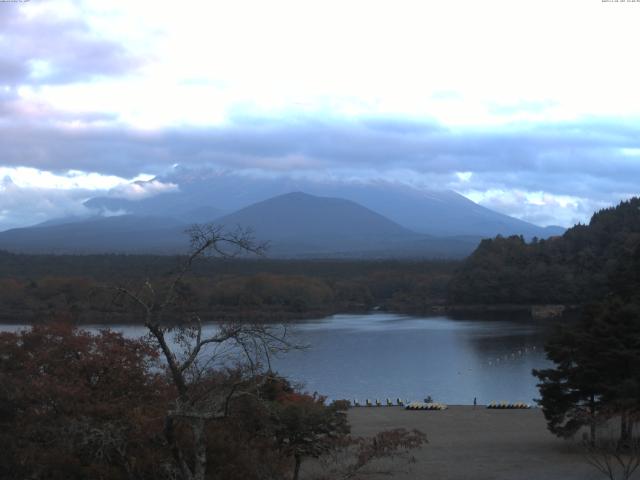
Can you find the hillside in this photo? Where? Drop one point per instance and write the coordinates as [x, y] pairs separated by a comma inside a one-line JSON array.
[[120, 234], [299, 224], [582, 265]]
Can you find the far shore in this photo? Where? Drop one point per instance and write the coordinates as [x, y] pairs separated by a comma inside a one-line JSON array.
[[539, 313], [476, 443]]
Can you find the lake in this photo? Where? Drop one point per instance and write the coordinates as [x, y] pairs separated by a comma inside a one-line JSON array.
[[384, 355]]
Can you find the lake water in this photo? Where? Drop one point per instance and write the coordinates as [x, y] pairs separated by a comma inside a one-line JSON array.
[[384, 355]]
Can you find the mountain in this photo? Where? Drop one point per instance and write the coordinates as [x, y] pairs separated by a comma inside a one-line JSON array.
[[435, 212], [119, 234], [432, 212], [299, 224], [295, 225]]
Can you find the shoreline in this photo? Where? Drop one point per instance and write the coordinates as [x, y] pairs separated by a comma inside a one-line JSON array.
[[538, 313]]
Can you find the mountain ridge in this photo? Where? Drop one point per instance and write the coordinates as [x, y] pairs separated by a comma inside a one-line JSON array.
[[434, 212], [295, 224]]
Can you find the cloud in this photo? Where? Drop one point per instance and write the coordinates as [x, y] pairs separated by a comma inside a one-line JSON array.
[[22, 206], [48, 43], [593, 161], [567, 158], [45, 44], [539, 207], [142, 189], [29, 196]]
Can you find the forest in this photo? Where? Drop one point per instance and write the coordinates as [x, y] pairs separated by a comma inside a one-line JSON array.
[[583, 264], [38, 287]]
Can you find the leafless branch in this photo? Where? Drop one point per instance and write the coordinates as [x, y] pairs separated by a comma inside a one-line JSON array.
[[613, 461], [199, 399]]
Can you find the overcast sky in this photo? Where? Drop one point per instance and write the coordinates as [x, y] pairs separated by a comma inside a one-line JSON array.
[[531, 108]]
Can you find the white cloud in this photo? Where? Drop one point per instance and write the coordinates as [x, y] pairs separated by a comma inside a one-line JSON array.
[[23, 206], [28, 177], [142, 189], [501, 61], [464, 176], [29, 196], [538, 207]]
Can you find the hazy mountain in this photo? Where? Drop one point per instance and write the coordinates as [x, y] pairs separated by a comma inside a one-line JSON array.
[[126, 233], [298, 214], [299, 224], [294, 224], [439, 213]]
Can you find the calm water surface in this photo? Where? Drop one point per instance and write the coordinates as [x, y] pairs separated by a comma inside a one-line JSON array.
[[385, 355]]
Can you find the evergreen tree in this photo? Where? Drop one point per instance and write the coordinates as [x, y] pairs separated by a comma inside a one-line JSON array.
[[597, 372], [571, 393]]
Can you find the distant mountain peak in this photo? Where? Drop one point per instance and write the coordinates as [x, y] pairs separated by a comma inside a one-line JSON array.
[[435, 211]]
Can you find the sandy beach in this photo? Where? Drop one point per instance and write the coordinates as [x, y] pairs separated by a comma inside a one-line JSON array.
[[467, 443]]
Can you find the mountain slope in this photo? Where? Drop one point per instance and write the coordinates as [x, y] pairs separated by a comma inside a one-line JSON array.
[[299, 215], [299, 224], [126, 233]]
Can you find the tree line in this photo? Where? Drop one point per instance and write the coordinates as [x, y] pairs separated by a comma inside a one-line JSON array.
[[270, 290], [583, 264], [595, 380]]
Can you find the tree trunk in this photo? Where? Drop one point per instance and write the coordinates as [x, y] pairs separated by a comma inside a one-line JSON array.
[[169, 432], [625, 431], [200, 448], [296, 469], [592, 426]]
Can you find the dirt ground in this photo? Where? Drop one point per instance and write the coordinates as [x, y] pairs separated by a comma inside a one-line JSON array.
[[467, 443]]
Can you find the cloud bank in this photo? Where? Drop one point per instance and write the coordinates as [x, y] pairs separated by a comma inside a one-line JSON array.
[[556, 173]]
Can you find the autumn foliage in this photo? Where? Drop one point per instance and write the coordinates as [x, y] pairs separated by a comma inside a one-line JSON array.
[[76, 405]]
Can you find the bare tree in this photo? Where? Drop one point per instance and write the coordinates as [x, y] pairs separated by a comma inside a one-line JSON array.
[[614, 462], [191, 352], [616, 453], [386, 453]]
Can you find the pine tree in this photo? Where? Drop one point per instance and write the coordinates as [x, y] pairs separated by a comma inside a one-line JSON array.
[[597, 372]]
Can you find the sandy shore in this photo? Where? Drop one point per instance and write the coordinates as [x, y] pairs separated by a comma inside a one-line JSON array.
[[480, 444]]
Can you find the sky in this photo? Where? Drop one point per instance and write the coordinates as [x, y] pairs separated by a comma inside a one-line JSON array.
[[531, 108]]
